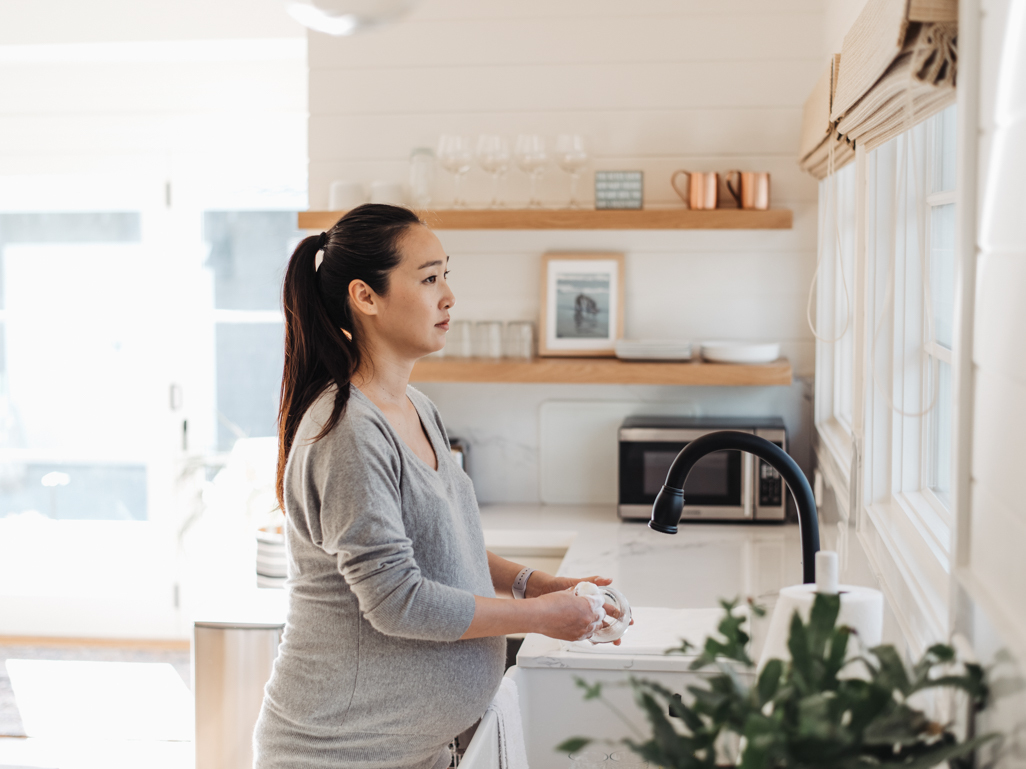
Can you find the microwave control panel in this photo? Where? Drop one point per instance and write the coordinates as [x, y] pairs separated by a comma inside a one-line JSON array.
[[771, 486]]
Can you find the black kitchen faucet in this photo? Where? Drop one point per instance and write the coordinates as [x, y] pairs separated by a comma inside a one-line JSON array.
[[669, 503]]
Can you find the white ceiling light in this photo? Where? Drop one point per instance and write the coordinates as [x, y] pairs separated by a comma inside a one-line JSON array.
[[344, 17]]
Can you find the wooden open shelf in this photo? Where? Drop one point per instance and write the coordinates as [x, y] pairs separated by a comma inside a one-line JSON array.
[[601, 371], [583, 219]]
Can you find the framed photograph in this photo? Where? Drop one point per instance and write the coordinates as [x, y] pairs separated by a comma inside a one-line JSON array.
[[581, 304]]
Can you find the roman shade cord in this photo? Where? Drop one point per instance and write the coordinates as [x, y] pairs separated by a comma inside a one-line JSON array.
[[935, 55], [840, 260], [929, 336]]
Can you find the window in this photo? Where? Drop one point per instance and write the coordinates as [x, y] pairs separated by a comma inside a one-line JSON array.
[[834, 327], [834, 293], [897, 408], [71, 435], [248, 252], [941, 205]]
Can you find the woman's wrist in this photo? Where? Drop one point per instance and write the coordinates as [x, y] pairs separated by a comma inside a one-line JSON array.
[[519, 586], [539, 584]]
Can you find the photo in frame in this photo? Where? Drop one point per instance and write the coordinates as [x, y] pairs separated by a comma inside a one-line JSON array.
[[581, 304]]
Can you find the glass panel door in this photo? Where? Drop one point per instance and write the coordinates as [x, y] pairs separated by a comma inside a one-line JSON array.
[[86, 522]]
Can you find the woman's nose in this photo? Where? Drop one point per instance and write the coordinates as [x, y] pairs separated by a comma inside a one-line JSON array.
[[448, 299]]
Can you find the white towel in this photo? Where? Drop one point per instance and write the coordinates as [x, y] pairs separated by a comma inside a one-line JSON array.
[[506, 706]]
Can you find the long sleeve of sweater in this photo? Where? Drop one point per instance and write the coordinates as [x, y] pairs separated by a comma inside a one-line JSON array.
[[354, 511]]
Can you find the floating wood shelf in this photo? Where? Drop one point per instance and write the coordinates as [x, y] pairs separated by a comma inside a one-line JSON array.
[[572, 219], [601, 371]]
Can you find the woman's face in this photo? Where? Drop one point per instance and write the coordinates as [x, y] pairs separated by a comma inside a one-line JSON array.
[[413, 316]]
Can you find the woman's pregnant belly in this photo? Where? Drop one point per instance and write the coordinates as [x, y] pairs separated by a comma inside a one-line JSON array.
[[423, 687], [356, 679]]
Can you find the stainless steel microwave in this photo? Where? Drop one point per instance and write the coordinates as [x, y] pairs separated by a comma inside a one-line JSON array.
[[726, 485]]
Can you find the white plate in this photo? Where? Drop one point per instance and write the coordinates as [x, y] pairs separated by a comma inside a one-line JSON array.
[[653, 349], [740, 352]]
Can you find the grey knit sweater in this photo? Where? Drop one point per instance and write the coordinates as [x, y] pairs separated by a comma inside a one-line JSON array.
[[385, 558]]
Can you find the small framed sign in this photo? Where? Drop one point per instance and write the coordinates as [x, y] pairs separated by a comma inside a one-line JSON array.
[[619, 189], [581, 304]]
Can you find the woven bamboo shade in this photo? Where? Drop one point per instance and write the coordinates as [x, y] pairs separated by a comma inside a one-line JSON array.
[[897, 67]]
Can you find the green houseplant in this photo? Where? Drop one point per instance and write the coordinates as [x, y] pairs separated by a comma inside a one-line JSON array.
[[823, 710]]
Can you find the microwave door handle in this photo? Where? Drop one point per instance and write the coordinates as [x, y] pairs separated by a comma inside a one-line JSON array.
[[747, 483]]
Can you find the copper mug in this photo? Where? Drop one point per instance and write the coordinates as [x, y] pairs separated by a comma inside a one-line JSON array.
[[752, 190], [703, 188]]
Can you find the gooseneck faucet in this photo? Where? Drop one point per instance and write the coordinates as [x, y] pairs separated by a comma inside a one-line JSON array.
[[669, 503]]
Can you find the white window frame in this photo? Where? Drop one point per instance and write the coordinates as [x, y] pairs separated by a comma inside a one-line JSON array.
[[835, 309], [879, 466]]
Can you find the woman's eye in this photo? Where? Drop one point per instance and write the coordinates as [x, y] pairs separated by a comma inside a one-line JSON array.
[[431, 279], [446, 275]]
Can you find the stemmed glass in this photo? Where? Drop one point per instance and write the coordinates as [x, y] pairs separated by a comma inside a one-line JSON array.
[[456, 154], [572, 156], [532, 157], [493, 157]]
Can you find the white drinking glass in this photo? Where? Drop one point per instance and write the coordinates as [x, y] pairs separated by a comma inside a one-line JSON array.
[[572, 156], [456, 154], [459, 341], [532, 156], [520, 339], [488, 340], [493, 156]]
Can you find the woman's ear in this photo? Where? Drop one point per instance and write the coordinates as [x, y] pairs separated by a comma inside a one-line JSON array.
[[362, 298]]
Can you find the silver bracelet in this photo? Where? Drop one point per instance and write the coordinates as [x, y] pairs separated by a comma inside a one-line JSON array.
[[520, 583]]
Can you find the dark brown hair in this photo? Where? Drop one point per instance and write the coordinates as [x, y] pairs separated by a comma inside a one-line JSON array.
[[363, 245]]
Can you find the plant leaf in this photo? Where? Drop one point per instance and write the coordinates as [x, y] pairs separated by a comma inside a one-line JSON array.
[[902, 726], [801, 658], [573, 744], [822, 619], [944, 753], [838, 650], [892, 673], [769, 680], [591, 691]]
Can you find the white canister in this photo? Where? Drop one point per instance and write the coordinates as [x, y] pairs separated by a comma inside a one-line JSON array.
[[344, 195], [389, 193], [422, 176]]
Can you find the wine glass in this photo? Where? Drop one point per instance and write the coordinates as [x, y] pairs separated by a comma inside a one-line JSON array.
[[455, 154], [493, 156], [572, 156], [532, 157]]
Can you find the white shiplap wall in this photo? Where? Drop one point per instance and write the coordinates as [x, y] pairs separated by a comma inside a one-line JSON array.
[[654, 85]]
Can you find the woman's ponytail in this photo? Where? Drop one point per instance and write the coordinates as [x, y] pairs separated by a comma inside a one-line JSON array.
[[320, 346]]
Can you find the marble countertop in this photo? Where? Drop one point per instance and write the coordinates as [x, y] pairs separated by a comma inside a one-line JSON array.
[[693, 569]]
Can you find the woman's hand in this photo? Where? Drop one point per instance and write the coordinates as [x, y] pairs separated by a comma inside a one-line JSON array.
[[548, 585], [568, 617]]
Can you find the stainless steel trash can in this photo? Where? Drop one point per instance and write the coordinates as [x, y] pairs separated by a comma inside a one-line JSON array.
[[232, 661]]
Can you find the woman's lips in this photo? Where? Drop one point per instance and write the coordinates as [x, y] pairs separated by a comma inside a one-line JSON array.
[[444, 325]]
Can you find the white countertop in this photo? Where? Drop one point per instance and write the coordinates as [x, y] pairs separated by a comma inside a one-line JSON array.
[[693, 569]]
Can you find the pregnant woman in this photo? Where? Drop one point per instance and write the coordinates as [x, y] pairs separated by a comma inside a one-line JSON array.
[[394, 638]]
